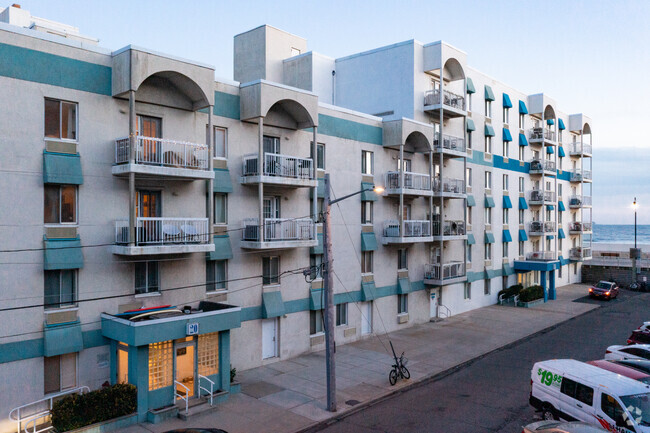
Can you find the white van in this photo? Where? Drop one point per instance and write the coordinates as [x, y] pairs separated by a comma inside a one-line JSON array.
[[573, 390]]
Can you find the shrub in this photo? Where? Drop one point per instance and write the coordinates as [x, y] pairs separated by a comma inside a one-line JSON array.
[[511, 291], [79, 410], [233, 373], [531, 293]]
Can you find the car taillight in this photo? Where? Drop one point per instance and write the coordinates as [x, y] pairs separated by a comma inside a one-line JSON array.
[[629, 341], [608, 351], [590, 289], [607, 293]]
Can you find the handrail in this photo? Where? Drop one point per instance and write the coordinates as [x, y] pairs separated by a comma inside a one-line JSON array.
[[187, 394], [15, 414], [446, 311], [201, 388], [33, 420]]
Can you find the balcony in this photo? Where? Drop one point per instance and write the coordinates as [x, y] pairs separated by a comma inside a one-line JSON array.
[[414, 231], [580, 253], [449, 231], [448, 273], [453, 105], [279, 233], [541, 256], [580, 149], [541, 136], [579, 201], [450, 145], [156, 157], [539, 197], [452, 188], [542, 166], [577, 228], [163, 236], [581, 175], [539, 228], [281, 170], [414, 184]]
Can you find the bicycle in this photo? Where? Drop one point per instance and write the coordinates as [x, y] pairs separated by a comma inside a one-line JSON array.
[[399, 368]]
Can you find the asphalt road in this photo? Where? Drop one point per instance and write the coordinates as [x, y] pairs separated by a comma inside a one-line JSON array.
[[491, 394]]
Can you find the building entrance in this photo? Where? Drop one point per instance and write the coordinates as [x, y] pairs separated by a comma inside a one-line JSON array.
[[185, 367]]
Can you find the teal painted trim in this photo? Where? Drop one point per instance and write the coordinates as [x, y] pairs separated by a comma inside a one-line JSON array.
[[470, 239], [345, 297], [251, 313], [62, 339], [62, 254], [507, 203], [492, 273], [470, 86], [522, 107], [489, 238], [62, 168], [470, 125], [565, 175], [368, 242], [222, 182], [506, 236], [342, 128], [316, 299], [226, 105], [507, 270], [560, 124], [20, 350], [160, 397], [296, 306], [224, 361], [506, 101], [403, 286], [489, 94], [94, 338], [471, 201], [222, 248], [523, 265], [39, 67], [506, 135], [368, 194], [318, 249], [475, 276], [511, 165], [489, 201], [272, 305], [478, 158]]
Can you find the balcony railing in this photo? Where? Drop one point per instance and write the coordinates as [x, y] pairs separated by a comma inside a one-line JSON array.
[[449, 271], [579, 227], [541, 256], [163, 152], [577, 201], [279, 229], [580, 253], [540, 227], [450, 186], [539, 166], [449, 142], [449, 228], [542, 134], [579, 149], [164, 231], [432, 97], [538, 196], [579, 175], [276, 164], [412, 228], [411, 181]]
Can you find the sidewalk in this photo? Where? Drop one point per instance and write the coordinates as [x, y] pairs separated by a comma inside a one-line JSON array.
[[290, 395]]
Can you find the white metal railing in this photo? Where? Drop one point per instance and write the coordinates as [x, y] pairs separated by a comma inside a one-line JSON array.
[[539, 165], [203, 388], [164, 231], [579, 227], [279, 229], [578, 175], [412, 228], [539, 196], [550, 226], [579, 200], [40, 408], [579, 148], [541, 255], [30, 424], [276, 164], [542, 134], [446, 185], [449, 142], [443, 311], [432, 97], [449, 271], [449, 228], [411, 180], [177, 394], [164, 152], [580, 253]]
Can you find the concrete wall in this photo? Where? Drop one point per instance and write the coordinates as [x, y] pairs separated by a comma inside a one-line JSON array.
[[622, 275]]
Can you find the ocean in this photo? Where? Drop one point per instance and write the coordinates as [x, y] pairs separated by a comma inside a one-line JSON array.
[[621, 234]]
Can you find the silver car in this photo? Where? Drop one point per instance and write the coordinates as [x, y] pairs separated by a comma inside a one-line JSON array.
[[561, 427]]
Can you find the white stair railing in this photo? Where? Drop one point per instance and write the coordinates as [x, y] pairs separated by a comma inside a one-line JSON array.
[[203, 388], [23, 413], [31, 423], [177, 394]]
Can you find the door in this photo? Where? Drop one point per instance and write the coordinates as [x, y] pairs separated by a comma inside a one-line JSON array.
[[149, 150], [269, 338], [148, 206], [433, 304], [272, 229], [366, 318], [185, 367], [271, 144]]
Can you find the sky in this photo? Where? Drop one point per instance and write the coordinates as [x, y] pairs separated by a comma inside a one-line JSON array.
[[592, 56]]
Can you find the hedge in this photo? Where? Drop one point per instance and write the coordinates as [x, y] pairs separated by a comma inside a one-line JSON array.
[[511, 291], [78, 410], [531, 293]]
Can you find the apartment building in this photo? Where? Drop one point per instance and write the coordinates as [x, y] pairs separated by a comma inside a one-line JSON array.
[[165, 226]]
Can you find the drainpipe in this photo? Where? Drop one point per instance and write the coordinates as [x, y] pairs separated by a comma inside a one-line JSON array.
[[314, 151], [440, 172], [210, 144], [260, 169], [401, 194], [132, 144]]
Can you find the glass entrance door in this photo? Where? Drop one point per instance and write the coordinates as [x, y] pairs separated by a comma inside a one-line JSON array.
[[185, 367]]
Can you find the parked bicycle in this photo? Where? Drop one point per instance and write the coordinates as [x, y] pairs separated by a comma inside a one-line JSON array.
[[399, 368]]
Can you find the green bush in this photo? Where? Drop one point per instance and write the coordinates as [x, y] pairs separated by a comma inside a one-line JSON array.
[[233, 374], [79, 410], [531, 293], [511, 291]]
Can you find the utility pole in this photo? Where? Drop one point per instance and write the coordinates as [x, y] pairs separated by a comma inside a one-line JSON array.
[[329, 300]]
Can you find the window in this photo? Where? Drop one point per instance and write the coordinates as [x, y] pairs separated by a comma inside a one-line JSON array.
[[467, 291], [220, 208], [60, 119], [270, 270], [59, 373], [315, 264], [521, 153], [505, 249], [559, 136], [521, 184], [366, 262], [161, 363], [488, 144], [506, 149], [521, 248], [469, 102], [559, 190], [613, 410], [220, 142], [521, 216], [320, 155], [505, 182], [469, 139], [319, 209], [506, 115], [487, 286], [559, 272], [469, 216], [315, 322], [559, 244], [488, 251], [406, 166], [506, 216], [367, 162], [402, 304], [468, 177], [60, 204], [60, 288], [341, 314], [402, 258], [559, 217], [578, 391], [521, 121], [366, 212], [469, 253], [488, 109], [207, 355], [559, 162], [488, 180], [488, 215], [146, 277], [216, 275]]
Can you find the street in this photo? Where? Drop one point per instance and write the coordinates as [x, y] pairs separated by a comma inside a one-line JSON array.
[[491, 394]]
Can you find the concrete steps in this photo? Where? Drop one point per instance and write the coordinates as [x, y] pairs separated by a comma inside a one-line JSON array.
[[199, 405]]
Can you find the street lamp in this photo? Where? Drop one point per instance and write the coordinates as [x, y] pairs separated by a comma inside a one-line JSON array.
[[634, 206], [328, 286]]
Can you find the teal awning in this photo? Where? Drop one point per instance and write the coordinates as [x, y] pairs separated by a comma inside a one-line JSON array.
[[470, 125], [522, 139], [368, 290], [549, 150], [320, 190], [522, 235], [489, 94], [550, 207], [560, 152], [550, 122], [489, 237], [560, 124], [316, 298], [506, 101], [506, 236], [222, 248], [403, 286], [522, 203], [489, 131], [222, 181], [62, 339], [560, 206], [470, 239], [471, 201], [368, 242], [507, 204], [474, 276], [272, 305], [318, 249], [489, 201], [560, 234], [63, 254], [522, 107], [62, 168], [470, 86], [506, 135], [507, 269], [491, 273], [550, 236], [367, 194]]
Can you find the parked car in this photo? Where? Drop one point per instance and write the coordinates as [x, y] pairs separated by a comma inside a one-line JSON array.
[[197, 430], [633, 351], [604, 289], [641, 335], [642, 365], [622, 370], [561, 427]]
